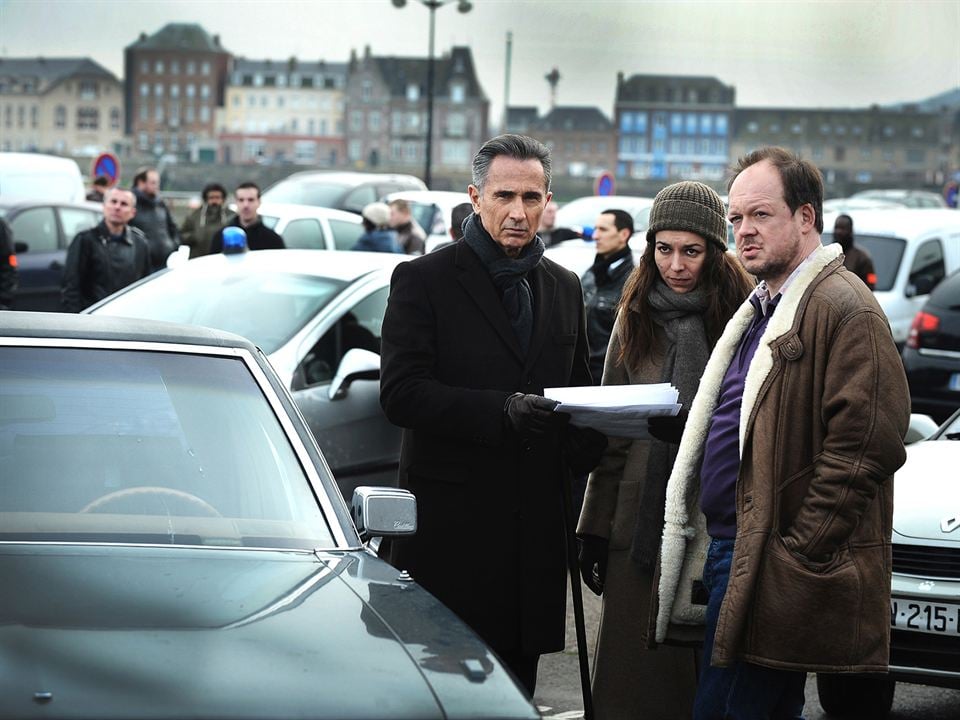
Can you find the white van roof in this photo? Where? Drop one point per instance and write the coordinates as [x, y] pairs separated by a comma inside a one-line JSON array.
[[898, 222], [34, 176]]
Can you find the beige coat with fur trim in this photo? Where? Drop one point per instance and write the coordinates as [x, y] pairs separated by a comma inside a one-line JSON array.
[[825, 408]]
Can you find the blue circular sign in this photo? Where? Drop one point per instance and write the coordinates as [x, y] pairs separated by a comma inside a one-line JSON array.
[[604, 184], [107, 165]]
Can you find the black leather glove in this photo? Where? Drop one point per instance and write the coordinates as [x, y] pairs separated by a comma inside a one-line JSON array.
[[593, 561], [529, 415], [667, 428], [583, 447]]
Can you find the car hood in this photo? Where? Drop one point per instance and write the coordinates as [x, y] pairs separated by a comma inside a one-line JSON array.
[[123, 631], [927, 493]]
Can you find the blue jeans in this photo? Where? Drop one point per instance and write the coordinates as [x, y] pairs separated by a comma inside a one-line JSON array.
[[742, 691]]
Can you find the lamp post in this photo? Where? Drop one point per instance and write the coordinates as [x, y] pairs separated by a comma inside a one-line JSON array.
[[463, 6]]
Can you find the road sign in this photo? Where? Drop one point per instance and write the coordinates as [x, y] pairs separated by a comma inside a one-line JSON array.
[[106, 164], [604, 184]]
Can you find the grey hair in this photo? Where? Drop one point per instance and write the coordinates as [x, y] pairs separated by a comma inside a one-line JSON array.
[[518, 147]]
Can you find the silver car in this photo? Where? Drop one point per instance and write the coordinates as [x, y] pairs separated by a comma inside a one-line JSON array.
[[316, 314]]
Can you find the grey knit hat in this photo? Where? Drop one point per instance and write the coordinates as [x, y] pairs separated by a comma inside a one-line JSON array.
[[690, 206]]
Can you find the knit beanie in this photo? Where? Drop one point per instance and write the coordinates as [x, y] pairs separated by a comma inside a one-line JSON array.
[[690, 206]]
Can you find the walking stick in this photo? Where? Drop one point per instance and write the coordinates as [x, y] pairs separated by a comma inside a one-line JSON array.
[[573, 565]]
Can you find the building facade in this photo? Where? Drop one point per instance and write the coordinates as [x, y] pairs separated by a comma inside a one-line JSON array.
[[854, 148], [174, 81], [386, 112], [286, 111], [70, 106], [673, 127], [582, 140]]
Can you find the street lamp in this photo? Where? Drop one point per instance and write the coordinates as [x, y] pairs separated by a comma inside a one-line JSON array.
[[463, 6]]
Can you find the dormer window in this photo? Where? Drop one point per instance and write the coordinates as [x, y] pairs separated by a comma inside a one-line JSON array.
[[413, 92], [457, 93]]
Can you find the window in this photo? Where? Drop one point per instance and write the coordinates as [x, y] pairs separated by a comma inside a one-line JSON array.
[[366, 91], [720, 124], [355, 150], [144, 90], [34, 116], [174, 67], [174, 91], [676, 123], [88, 90], [396, 122], [706, 124], [204, 114], [457, 93], [753, 126], [373, 120], [691, 124], [626, 122], [158, 90], [158, 68], [413, 92], [358, 328], [144, 67], [158, 113], [356, 120], [205, 68], [191, 68], [235, 100], [916, 156], [927, 268], [174, 111], [38, 228], [413, 121], [143, 141], [345, 234], [396, 150], [21, 116], [188, 114], [304, 233], [455, 152], [88, 118], [73, 220], [258, 80], [191, 90], [205, 91], [456, 124], [916, 131], [305, 151]]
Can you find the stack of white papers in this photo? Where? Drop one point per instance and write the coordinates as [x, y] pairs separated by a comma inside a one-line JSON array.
[[617, 410]]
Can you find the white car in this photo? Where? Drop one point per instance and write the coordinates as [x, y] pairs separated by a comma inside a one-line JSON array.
[[316, 314], [581, 214], [432, 210], [308, 227], [912, 250], [925, 598]]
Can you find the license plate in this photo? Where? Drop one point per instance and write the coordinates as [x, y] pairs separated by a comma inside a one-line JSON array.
[[955, 382], [935, 618]]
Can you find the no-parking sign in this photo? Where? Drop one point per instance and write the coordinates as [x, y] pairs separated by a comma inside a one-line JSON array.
[[106, 164], [604, 184]]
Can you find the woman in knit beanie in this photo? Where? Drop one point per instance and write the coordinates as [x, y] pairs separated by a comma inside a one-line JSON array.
[[673, 309]]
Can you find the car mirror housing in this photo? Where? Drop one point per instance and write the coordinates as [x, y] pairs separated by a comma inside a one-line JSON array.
[[384, 512], [357, 364]]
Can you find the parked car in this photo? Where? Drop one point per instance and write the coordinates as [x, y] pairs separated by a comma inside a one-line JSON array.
[[906, 198], [42, 231], [845, 205], [432, 210], [912, 251], [172, 544], [932, 354], [308, 227], [35, 176], [925, 602], [581, 214], [315, 314], [349, 191]]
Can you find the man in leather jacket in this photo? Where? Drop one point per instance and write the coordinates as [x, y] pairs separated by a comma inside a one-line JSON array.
[[153, 218]]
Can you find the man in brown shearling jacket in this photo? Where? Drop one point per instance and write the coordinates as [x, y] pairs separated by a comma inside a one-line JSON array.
[[781, 498]]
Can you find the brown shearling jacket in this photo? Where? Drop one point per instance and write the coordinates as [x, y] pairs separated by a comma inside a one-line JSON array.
[[825, 408]]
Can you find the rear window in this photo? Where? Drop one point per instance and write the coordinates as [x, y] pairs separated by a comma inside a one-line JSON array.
[[886, 252]]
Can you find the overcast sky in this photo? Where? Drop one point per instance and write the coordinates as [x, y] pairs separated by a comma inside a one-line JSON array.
[[799, 54]]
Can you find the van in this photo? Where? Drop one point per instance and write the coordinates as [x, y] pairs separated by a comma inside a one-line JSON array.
[[33, 176], [350, 191], [912, 251]]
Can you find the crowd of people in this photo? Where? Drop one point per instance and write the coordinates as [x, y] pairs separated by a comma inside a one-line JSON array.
[[737, 545]]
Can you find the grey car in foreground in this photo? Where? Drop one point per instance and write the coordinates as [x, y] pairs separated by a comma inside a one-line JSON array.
[[172, 544]]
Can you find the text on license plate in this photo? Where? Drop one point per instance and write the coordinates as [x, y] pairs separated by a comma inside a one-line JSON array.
[[937, 618]]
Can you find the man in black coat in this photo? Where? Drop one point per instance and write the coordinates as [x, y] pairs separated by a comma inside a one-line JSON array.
[[259, 236], [154, 218], [472, 335]]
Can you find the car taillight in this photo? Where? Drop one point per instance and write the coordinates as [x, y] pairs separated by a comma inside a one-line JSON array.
[[923, 322]]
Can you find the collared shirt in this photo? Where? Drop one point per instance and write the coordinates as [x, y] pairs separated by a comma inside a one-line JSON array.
[[721, 455]]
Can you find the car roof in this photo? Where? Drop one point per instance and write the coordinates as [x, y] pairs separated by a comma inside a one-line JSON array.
[[439, 197], [898, 222], [70, 326], [344, 265], [19, 203], [350, 177], [296, 210]]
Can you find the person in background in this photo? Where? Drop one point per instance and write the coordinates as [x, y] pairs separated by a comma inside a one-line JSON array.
[[472, 335], [153, 218], [549, 232], [8, 267], [99, 188], [673, 309], [106, 257], [855, 258], [377, 235], [410, 235], [780, 502], [259, 236], [458, 216], [603, 282], [202, 224]]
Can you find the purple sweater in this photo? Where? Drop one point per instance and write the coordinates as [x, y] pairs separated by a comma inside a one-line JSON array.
[[721, 456]]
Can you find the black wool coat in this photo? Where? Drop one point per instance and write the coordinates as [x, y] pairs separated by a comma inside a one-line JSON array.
[[489, 542]]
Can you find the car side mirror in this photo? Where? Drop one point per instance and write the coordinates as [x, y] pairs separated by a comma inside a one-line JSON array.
[[357, 364], [923, 285], [20, 247], [383, 512], [921, 427]]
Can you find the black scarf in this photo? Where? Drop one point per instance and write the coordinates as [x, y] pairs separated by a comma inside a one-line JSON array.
[[687, 350], [602, 263], [509, 275]]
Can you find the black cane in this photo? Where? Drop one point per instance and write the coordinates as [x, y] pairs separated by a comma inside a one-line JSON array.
[[573, 564]]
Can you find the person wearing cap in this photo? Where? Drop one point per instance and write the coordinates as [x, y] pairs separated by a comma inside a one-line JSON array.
[[377, 235], [259, 236], [672, 310], [776, 538]]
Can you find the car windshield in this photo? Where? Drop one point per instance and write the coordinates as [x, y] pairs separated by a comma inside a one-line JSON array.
[[128, 446], [886, 253], [307, 192], [265, 306], [950, 430]]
